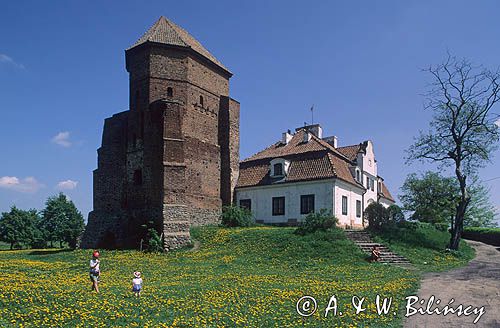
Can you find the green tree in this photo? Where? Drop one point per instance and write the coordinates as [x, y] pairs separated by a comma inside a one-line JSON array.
[[430, 198], [62, 221], [396, 213], [19, 227], [481, 212], [378, 217], [462, 134]]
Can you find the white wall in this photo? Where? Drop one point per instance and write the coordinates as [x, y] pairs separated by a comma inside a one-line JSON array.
[[353, 194], [262, 196], [368, 167]]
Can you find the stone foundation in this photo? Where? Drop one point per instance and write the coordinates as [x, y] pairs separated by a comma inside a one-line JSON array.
[[177, 219]]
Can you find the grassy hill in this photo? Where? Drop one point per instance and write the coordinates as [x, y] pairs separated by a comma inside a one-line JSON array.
[[241, 277]]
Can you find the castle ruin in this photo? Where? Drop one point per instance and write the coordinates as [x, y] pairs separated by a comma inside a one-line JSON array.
[[172, 158]]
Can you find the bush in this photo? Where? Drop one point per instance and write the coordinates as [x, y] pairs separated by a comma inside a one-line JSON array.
[[235, 216], [378, 217], [151, 241], [322, 220], [441, 226], [155, 244]]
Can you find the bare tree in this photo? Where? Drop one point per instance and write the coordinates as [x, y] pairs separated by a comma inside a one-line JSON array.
[[462, 132]]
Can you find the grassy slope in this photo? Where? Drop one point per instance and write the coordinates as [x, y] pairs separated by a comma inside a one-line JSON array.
[[4, 245], [426, 248], [239, 277]]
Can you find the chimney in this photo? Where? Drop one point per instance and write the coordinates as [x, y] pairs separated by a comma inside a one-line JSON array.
[[333, 141], [314, 129], [286, 137], [307, 136]]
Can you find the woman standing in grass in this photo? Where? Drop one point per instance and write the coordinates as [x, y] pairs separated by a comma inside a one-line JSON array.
[[94, 271]]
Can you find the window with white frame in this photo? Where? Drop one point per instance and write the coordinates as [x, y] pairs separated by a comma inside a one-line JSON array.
[[358, 208], [344, 205], [279, 167]]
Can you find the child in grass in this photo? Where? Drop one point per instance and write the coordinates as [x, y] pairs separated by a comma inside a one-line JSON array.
[[95, 271], [137, 284]]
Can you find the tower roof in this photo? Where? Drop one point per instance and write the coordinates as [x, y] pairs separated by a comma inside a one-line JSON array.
[[166, 32]]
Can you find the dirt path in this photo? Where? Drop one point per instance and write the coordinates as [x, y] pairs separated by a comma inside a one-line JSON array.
[[477, 284]]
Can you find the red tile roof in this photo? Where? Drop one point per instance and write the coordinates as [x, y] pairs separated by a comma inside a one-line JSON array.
[[350, 152], [312, 160], [167, 32], [384, 192]]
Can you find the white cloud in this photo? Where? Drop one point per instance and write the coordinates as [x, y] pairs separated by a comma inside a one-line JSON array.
[[28, 184], [62, 139], [67, 185], [8, 60], [497, 122]]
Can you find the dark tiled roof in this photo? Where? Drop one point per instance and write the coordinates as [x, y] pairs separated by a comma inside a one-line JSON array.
[[294, 147], [350, 152], [385, 192], [166, 32], [311, 160]]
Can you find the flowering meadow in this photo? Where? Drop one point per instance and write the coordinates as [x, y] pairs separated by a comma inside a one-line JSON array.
[[239, 277]]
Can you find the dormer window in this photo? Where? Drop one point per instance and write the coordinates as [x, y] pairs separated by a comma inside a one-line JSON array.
[[278, 169], [170, 92], [201, 101], [358, 175]]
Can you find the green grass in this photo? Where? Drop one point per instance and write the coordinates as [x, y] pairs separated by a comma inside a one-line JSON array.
[[4, 245], [425, 247], [240, 277]]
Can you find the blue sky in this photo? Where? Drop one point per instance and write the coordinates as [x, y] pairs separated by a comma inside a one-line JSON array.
[[62, 72]]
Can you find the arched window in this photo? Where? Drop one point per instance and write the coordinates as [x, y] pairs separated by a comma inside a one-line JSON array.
[[201, 100], [358, 176], [170, 92], [278, 169]]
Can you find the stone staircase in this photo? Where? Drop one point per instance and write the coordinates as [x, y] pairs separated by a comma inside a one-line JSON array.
[[364, 241]]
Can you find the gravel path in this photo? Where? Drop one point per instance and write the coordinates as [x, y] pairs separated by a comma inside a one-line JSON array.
[[477, 284]]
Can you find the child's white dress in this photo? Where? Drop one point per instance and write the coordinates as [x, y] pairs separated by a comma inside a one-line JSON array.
[[137, 284]]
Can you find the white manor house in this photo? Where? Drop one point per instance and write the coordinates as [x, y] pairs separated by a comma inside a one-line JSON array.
[[305, 172]]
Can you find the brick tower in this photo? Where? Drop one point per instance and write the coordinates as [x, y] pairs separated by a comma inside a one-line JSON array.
[[172, 158]]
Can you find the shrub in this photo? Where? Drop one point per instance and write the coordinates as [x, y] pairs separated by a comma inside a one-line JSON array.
[[377, 216], [441, 226], [151, 241], [155, 244], [235, 216], [322, 220]]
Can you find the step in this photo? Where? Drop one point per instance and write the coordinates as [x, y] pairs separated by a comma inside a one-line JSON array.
[[365, 243]]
